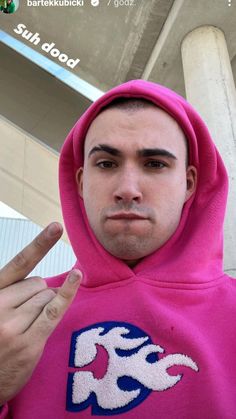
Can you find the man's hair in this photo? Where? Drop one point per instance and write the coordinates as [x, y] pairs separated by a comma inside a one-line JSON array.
[[131, 104]]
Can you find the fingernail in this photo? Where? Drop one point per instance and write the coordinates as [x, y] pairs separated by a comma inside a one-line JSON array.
[[74, 276], [53, 229]]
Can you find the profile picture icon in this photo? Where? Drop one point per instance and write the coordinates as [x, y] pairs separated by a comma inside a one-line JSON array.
[[8, 6]]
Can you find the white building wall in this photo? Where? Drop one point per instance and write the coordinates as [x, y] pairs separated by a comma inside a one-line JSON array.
[[15, 234]]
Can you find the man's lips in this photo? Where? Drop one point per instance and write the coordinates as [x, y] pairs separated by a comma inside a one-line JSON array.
[[126, 216]]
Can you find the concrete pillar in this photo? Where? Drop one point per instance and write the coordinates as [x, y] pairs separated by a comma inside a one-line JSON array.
[[210, 89]]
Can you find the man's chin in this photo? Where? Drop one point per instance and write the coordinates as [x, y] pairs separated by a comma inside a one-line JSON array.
[[129, 248], [128, 227]]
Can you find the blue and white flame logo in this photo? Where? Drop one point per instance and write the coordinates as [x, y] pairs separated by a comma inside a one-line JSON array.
[[134, 369]]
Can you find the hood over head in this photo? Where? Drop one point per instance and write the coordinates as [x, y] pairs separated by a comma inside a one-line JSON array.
[[193, 255]]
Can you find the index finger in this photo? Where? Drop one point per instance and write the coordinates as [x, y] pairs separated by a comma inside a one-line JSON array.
[[26, 260]]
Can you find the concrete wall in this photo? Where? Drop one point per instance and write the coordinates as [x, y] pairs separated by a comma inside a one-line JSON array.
[[28, 176]]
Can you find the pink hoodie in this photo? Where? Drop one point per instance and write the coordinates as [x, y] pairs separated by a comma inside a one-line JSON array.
[[157, 341]]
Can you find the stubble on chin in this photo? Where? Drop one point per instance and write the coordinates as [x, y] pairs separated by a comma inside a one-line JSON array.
[[128, 246]]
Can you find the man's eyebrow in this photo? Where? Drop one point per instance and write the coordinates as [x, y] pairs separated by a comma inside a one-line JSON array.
[[106, 148], [149, 152], [145, 152]]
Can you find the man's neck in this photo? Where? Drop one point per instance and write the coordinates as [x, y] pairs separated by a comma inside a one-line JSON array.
[[131, 263]]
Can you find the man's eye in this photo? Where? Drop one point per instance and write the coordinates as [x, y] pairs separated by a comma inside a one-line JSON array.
[[106, 164], [156, 164]]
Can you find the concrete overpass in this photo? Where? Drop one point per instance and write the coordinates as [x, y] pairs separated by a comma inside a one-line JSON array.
[[187, 45]]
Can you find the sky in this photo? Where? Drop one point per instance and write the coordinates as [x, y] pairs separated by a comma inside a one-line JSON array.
[[8, 212]]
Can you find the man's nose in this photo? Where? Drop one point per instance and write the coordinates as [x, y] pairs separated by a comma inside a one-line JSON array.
[[128, 188]]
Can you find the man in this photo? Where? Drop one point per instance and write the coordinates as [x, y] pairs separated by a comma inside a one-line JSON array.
[[7, 6], [151, 330]]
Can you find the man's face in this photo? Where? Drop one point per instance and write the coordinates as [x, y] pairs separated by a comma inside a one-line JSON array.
[[134, 182]]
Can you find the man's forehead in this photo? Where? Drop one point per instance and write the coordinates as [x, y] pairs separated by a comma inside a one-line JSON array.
[[109, 127], [111, 119], [132, 111]]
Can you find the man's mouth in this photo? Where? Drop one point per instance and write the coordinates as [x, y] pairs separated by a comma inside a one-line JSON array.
[[127, 216]]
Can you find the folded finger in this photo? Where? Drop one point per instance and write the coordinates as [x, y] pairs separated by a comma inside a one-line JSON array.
[[28, 312], [54, 311], [16, 294]]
